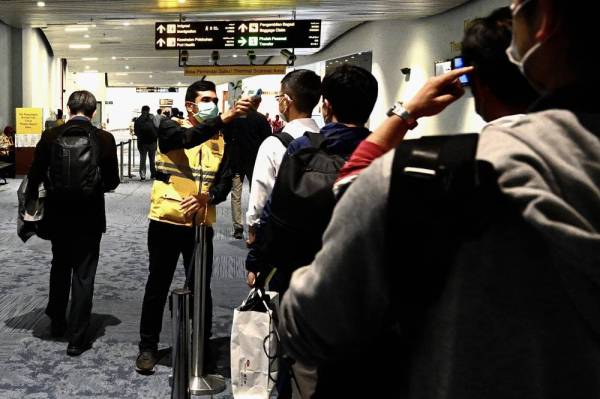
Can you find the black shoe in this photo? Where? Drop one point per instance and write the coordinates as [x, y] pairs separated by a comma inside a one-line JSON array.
[[146, 361], [73, 350], [58, 328], [238, 234]]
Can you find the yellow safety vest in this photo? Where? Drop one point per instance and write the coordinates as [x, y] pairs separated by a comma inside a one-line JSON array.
[[186, 168]]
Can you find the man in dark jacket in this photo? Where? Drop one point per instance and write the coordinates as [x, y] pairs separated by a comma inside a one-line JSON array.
[[193, 175], [75, 226], [145, 130], [244, 136]]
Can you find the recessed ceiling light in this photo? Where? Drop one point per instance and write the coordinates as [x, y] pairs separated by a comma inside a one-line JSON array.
[[234, 56], [41, 4], [131, 83], [181, 1], [89, 59], [126, 66], [87, 67], [76, 28], [126, 23], [150, 76], [113, 57], [86, 36], [178, 83], [80, 46]]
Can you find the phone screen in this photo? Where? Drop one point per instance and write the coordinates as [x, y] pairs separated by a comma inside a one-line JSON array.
[[458, 62]]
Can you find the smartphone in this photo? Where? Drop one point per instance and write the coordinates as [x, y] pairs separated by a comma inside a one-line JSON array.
[[458, 62], [254, 94]]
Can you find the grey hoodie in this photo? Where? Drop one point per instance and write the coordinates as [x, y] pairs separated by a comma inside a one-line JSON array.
[[519, 316]]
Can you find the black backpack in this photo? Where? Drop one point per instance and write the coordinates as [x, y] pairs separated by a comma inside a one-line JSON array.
[[74, 170], [302, 202], [145, 130], [439, 197]]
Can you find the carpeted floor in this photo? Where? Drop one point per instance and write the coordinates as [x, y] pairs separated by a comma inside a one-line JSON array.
[[36, 366]]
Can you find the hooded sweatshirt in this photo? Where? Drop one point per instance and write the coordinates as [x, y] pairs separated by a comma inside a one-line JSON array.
[[518, 315]]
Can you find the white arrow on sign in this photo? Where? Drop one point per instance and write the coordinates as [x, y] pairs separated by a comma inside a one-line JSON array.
[[243, 28], [161, 42], [242, 41], [161, 29]]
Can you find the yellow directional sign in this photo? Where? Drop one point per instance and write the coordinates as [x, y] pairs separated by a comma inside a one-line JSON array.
[[235, 70]]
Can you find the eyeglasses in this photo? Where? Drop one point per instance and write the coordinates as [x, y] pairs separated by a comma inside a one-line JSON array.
[[280, 96]]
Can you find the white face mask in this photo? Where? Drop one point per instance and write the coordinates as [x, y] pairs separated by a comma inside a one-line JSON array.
[[512, 52], [206, 111], [282, 113]]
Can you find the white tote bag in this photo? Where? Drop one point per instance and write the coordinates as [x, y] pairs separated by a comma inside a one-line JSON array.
[[254, 346]]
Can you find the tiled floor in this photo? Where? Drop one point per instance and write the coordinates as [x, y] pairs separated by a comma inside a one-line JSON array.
[[35, 366]]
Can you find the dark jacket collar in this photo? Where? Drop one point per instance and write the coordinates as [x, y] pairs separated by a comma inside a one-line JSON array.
[[577, 98], [343, 139]]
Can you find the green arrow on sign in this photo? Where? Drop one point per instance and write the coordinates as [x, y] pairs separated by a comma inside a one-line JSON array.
[[242, 41]]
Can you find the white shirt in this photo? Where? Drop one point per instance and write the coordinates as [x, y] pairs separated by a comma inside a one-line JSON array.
[[269, 157]]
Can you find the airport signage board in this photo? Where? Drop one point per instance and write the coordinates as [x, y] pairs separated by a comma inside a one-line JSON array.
[[223, 35], [29, 120], [238, 70], [157, 90]]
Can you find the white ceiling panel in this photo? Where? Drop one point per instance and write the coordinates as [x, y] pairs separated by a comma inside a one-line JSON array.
[[120, 33]]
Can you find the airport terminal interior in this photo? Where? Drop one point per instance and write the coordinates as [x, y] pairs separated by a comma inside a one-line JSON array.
[[138, 58]]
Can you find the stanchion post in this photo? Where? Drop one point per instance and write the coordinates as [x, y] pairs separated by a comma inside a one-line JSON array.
[[121, 160], [129, 151], [201, 383], [181, 344]]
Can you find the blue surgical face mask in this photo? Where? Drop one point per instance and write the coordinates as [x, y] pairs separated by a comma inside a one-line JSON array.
[[206, 110]]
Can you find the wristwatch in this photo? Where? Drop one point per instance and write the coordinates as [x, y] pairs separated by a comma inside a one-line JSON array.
[[401, 112]]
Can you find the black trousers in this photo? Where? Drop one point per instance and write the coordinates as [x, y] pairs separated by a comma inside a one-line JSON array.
[[165, 243], [74, 264], [150, 150]]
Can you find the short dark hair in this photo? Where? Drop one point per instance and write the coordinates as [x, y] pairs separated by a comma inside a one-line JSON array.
[[145, 109], [484, 46], [159, 111], [201, 85], [82, 101], [304, 88], [352, 92]]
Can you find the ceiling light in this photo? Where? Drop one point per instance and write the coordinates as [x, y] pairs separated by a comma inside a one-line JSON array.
[[113, 57], [87, 67], [150, 76], [41, 4], [178, 83], [76, 28], [181, 1], [80, 46], [89, 59], [126, 66], [234, 56], [126, 23], [86, 36]]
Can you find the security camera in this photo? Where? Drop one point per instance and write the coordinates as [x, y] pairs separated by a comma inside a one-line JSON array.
[[214, 56], [183, 57], [289, 55], [251, 56], [405, 71]]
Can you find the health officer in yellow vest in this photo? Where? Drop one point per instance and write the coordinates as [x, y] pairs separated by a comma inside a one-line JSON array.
[[192, 176]]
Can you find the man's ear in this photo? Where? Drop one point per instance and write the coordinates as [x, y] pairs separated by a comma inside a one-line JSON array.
[[189, 107], [549, 20]]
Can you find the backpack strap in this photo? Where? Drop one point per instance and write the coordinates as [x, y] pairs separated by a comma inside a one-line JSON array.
[[317, 140], [285, 138]]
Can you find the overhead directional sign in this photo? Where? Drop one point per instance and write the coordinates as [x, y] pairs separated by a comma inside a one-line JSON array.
[[276, 69], [222, 35]]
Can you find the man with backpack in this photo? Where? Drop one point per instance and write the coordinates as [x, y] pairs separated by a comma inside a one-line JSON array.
[[298, 95], [301, 203], [513, 309], [146, 132], [77, 163]]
